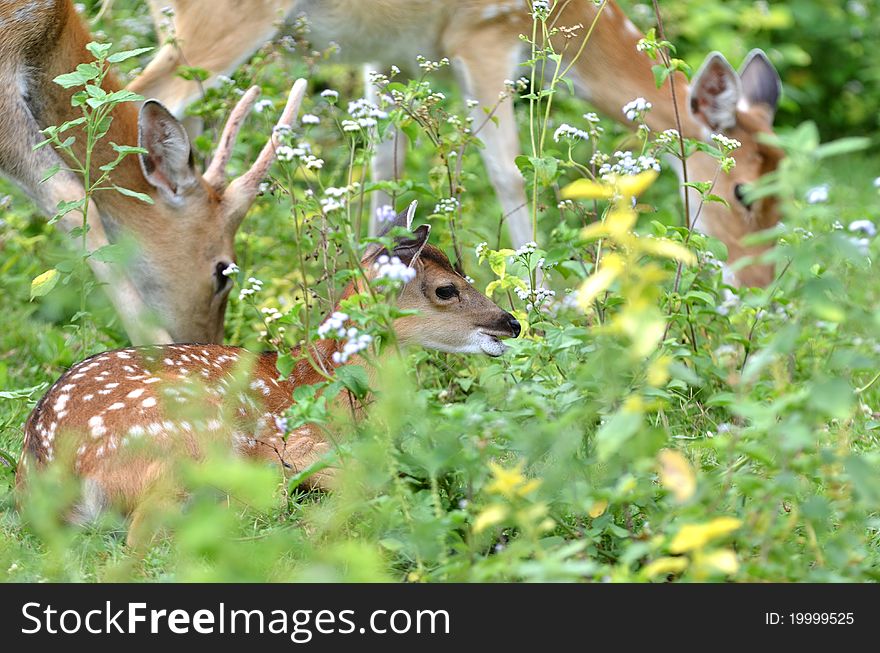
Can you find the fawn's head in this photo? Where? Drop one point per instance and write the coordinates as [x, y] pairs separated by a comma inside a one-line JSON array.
[[740, 106], [189, 244], [453, 316]]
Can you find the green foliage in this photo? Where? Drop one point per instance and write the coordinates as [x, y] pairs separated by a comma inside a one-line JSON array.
[[651, 424]]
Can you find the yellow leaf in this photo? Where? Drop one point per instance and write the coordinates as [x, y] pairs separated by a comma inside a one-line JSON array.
[[668, 249], [721, 561], [676, 474], [491, 516], [658, 372], [594, 230], [696, 536], [43, 284], [586, 189], [511, 482], [620, 221], [664, 566], [635, 185], [612, 266], [598, 508]]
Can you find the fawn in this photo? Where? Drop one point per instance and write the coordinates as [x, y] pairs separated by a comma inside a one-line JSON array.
[[185, 236], [98, 416], [481, 39]]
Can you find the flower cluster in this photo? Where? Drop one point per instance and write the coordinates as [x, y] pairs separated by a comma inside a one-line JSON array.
[[230, 269], [481, 248], [536, 299], [525, 250], [569, 133], [668, 137], [725, 144], [310, 119], [255, 286], [334, 199], [393, 269], [431, 66], [595, 129], [271, 314], [262, 105], [446, 205], [540, 9], [628, 164], [385, 213], [333, 324], [636, 109], [365, 114], [818, 194], [330, 95], [865, 227], [356, 343]]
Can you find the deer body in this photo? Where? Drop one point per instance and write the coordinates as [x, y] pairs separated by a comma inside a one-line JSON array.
[[189, 227], [119, 420], [481, 39]]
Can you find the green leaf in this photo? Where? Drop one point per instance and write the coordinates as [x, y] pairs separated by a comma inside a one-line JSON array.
[[109, 253], [865, 478], [51, 172], [285, 365], [660, 74], [118, 57], [42, 285], [146, 199], [98, 50], [545, 167], [354, 379], [85, 72]]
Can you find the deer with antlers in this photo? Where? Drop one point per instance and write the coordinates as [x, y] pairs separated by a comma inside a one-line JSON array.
[[185, 236], [481, 39], [119, 420]]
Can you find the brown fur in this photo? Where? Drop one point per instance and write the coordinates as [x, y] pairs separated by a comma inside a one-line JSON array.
[[181, 239], [119, 420], [481, 38]]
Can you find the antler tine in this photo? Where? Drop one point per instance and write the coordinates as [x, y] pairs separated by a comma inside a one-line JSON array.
[[216, 172], [249, 182]]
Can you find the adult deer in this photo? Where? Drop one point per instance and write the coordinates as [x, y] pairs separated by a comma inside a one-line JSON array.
[[185, 236], [481, 38], [118, 420]]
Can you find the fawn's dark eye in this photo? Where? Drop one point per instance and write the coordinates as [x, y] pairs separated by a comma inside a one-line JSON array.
[[740, 191], [447, 292], [221, 276]]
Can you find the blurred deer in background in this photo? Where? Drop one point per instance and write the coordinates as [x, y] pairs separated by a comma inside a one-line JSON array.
[[119, 420], [481, 38], [185, 236]]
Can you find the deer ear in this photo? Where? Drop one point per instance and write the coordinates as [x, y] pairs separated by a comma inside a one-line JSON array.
[[403, 219], [168, 163], [409, 249], [760, 81], [715, 91]]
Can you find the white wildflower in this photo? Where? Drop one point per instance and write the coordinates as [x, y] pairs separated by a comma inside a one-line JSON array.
[[310, 119], [636, 109], [262, 105], [865, 227], [393, 269], [818, 194]]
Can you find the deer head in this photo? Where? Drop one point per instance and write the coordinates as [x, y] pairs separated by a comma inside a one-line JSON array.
[[741, 106], [453, 316], [184, 250]]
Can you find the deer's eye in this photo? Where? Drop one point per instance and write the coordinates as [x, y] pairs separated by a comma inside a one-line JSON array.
[[740, 191], [446, 292], [221, 277]]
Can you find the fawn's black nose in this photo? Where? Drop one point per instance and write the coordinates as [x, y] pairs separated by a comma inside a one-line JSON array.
[[515, 326]]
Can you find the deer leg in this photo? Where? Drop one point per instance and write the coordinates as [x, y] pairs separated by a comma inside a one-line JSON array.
[[388, 159], [19, 132], [483, 63]]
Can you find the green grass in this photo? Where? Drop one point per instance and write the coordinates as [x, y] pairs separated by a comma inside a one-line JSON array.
[[760, 403]]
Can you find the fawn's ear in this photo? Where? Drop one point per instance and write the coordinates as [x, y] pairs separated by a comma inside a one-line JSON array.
[[408, 249], [715, 91], [403, 219], [168, 163], [760, 81]]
